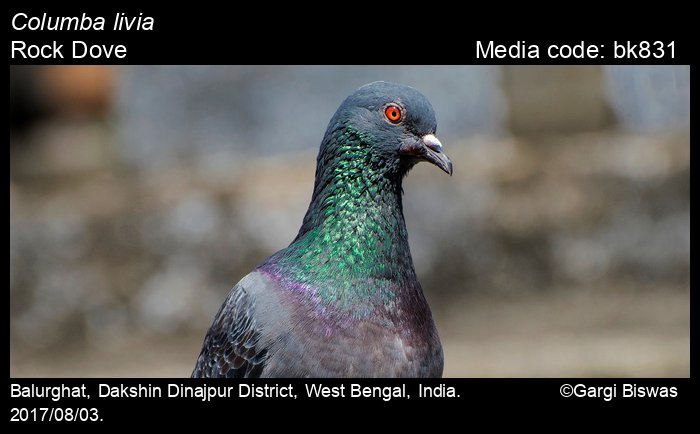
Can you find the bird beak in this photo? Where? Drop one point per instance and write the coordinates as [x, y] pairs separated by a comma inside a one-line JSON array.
[[428, 149]]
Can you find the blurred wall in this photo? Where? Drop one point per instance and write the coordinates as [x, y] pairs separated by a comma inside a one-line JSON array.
[[263, 110], [139, 195]]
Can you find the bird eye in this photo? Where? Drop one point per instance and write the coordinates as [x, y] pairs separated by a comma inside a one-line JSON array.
[[393, 113]]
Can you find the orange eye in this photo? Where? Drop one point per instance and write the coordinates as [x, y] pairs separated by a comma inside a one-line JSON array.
[[393, 113]]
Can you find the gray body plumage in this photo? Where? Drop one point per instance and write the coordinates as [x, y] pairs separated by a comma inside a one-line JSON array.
[[263, 330]]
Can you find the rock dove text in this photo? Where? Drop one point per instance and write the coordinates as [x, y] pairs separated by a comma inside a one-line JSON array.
[[75, 49]]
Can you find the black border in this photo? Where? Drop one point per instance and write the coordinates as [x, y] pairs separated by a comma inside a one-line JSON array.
[[212, 36]]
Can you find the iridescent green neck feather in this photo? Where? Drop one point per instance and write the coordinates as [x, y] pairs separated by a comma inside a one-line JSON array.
[[352, 250]]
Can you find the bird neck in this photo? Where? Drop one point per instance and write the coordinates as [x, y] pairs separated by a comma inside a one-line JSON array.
[[352, 249]]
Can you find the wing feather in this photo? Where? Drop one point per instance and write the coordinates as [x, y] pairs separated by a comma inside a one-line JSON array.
[[232, 347]]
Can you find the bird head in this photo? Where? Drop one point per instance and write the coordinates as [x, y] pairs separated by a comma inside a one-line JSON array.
[[396, 123]]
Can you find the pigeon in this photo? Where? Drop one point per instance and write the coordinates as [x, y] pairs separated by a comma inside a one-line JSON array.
[[343, 299]]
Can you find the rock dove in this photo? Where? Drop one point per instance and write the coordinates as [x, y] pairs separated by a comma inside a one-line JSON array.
[[342, 300]]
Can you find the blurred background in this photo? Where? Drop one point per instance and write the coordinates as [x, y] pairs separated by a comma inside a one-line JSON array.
[[560, 247]]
